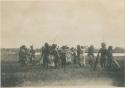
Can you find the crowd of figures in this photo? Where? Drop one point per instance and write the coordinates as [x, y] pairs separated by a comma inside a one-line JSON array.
[[55, 56]]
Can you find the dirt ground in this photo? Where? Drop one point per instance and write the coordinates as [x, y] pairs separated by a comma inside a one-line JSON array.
[[12, 74]]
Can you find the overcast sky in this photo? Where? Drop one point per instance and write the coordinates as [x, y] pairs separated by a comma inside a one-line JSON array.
[[68, 22]]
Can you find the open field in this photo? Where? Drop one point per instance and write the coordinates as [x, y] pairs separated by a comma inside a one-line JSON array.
[[72, 75]]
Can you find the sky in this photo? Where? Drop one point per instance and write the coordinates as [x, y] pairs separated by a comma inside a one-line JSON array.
[[65, 22]]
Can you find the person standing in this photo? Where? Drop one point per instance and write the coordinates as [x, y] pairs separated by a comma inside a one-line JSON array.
[[110, 56], [45, 55], [74, 56], [103, 52], [79, 55], [55, 53], [91, 59], [22, 55], [63, 56], [83, 62], [32, 54]]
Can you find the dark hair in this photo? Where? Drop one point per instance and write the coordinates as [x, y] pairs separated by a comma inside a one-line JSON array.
[[110, 48], [54, 46], [46, 45]]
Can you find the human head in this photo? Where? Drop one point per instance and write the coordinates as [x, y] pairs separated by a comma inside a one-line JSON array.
[[54, 46], [92, 47], [78, 46], [46, 44], [110, 48], [31, 46], [103, 45], [23, 46]]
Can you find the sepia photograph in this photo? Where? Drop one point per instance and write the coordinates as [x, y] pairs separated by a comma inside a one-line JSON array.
[[62, 43]]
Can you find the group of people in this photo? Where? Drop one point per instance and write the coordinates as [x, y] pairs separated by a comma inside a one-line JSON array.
[[55, 56], [26, 55]]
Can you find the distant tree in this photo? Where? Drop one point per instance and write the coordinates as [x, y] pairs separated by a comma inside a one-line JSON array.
[[119, 50]]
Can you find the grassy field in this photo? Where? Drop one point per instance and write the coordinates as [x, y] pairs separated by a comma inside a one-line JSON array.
[[12, 74]]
